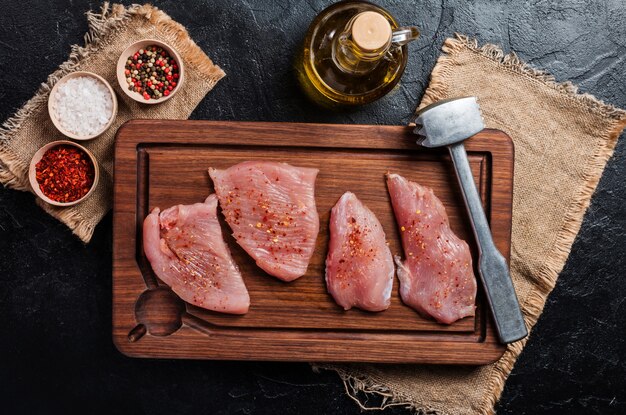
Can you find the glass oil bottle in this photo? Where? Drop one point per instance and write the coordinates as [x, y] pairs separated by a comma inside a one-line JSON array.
[[354, 53]]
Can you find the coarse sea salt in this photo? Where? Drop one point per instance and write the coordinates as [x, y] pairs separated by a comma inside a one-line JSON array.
[[83, 106]]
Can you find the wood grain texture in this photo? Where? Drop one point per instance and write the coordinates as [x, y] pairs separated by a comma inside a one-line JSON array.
[[295, 321]]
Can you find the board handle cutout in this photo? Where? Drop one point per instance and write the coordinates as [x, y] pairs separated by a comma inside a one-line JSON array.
[[158, 311]]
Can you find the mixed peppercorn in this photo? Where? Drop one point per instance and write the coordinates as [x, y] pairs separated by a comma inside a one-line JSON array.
[[65, 173], [152, 72]]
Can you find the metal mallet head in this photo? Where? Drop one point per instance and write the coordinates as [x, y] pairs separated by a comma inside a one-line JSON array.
[[448, 121]]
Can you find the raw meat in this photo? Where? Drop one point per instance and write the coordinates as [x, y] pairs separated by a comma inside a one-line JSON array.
[[437, 278], [271, 209], [185, 247], [359, 266]]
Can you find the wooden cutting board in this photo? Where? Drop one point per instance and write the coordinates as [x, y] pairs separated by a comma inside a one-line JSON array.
[[164, 163]]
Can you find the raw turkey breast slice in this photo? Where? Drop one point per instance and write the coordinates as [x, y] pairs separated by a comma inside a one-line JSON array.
[[185, 247], [436, 278], [270, 208], [359, 265]]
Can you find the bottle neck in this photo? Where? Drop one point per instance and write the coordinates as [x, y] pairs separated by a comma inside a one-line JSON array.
[[351, 58]]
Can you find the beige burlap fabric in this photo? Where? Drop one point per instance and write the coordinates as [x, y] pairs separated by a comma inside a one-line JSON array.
[[110, 32], [562, 143]]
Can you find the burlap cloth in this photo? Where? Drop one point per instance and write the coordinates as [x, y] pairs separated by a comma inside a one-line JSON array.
[[110, 32], [562, 143]]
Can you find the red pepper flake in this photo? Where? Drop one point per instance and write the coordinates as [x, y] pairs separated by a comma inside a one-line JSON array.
[[65, 173]]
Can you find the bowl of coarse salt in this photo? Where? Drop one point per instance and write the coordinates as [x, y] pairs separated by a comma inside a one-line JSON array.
[[82, 105]]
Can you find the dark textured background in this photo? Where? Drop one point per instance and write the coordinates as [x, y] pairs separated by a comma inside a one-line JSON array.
[[55, 293]]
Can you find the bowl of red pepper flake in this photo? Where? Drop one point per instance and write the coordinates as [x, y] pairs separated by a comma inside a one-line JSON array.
[[63, 173], [150, 71]]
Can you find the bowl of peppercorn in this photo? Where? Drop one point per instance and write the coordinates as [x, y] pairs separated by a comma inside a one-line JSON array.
[[63, 173], [150, 71]]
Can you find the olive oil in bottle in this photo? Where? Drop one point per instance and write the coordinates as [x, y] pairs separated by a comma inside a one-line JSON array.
[[354, 53]]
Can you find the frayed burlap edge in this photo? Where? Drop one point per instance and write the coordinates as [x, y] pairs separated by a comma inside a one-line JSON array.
[[356, 383], [102, 25], [359, 387]]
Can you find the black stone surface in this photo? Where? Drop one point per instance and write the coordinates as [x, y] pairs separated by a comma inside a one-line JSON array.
[[55, 293]]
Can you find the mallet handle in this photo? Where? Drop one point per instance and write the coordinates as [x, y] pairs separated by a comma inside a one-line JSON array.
[[492, 267]]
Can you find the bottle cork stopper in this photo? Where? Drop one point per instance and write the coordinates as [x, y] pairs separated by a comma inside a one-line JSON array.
[[371, 30]]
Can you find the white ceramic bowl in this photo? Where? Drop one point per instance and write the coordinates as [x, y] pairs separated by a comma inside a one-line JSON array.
[[129, 51], [32, 173], [52, 112]]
